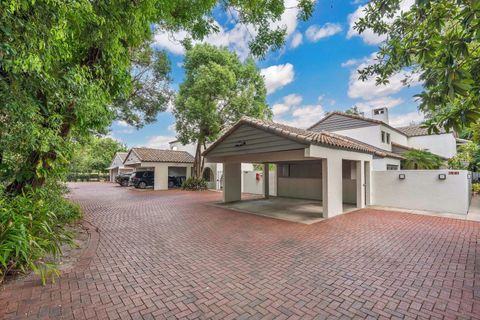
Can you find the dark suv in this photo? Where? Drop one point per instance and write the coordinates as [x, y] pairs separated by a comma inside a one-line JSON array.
[[122, 179], [176, 181], [142, 179]]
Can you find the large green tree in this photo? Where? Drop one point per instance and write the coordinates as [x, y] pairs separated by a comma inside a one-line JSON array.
[[94, 155], [217, 91], [439, 40], [63, 64]]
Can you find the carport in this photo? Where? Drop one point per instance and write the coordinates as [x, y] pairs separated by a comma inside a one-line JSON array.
[[163, 163], [328, 168]]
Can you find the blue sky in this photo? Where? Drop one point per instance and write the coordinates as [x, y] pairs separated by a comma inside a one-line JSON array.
[[314, 73]]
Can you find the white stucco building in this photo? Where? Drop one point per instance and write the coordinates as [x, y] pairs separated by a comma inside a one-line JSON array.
[[163, 163], [117, 167], [336, 170], [377, 132]]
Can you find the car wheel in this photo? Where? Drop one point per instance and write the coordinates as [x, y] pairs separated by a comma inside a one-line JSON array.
[[142, 185], [124, 183]]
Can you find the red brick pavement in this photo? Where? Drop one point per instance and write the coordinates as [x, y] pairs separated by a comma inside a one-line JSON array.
[[169, 254]]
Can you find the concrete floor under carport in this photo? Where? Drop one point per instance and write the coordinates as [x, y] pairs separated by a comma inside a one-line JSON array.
[[290, 209]]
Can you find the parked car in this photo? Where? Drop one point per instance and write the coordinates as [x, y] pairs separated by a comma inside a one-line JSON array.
[[123, 178], [142, 179], [176, 181]]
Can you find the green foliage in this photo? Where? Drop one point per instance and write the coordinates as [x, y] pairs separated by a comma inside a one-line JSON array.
[[467, 158], [194, 184], [68, 68], [440, 41], [476, 187], [150, 92], [420, 159], [32, 227], [217, 91], [94, 155]]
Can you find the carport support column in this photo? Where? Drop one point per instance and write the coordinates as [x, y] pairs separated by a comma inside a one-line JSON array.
[[332, 186], [266, 180], [160, 181], [232, 182], [360, 178]]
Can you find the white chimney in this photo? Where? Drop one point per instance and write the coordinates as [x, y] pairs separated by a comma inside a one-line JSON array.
[[380, 114]]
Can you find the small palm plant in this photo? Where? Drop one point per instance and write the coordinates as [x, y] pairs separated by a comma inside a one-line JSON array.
[[421, 159]]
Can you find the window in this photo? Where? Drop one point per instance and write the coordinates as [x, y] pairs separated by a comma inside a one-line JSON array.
[[208, 174], [308, 169], [383, 136], [388, 138], [392, 167]]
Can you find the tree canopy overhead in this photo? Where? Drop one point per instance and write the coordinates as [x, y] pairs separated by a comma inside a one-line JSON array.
[[437, 40], [218, 89], [63, 64]]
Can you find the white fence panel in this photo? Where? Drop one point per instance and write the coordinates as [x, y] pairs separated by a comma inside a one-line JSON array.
[[422, 190]]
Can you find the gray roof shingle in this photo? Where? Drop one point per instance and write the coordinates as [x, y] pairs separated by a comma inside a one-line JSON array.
[[324, 138], [122, 155]]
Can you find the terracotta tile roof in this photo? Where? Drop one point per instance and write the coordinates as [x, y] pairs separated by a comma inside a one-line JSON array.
[[159, 155], [354, 116], [323, 138], [417, 130]]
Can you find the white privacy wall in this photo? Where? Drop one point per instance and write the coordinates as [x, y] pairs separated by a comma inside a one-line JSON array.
[[422, 190], [443, 145]]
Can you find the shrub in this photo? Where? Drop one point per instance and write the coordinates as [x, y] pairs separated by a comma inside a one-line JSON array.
[[476, 187], [31, 228], [194, 184]]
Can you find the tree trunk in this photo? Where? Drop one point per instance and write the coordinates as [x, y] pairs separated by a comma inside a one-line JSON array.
[[197, 163], [35, 158]]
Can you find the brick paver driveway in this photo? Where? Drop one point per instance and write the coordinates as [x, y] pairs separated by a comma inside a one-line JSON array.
[[171, 255]]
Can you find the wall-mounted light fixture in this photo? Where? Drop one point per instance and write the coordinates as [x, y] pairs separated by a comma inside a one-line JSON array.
[[442, 176], [240, 143], [401, 176]]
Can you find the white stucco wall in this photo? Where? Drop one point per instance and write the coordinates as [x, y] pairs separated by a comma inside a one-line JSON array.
[[381, 163], [373, 136], [370, 135], [302, 188], [443, 145], [252, 185], [422, 190], [332, 182]]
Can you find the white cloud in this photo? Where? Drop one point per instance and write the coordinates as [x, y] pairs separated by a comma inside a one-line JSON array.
[[388, 102], [291, 112], [292, 99], [171, 41], [122, 123], [369, 90], [279, 109], [350, 63], [368, 36], [235, 38], [406, 119], [172, 128], [297, 40], [315, 32], [277, 76], [159, 142], [288, 102]]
